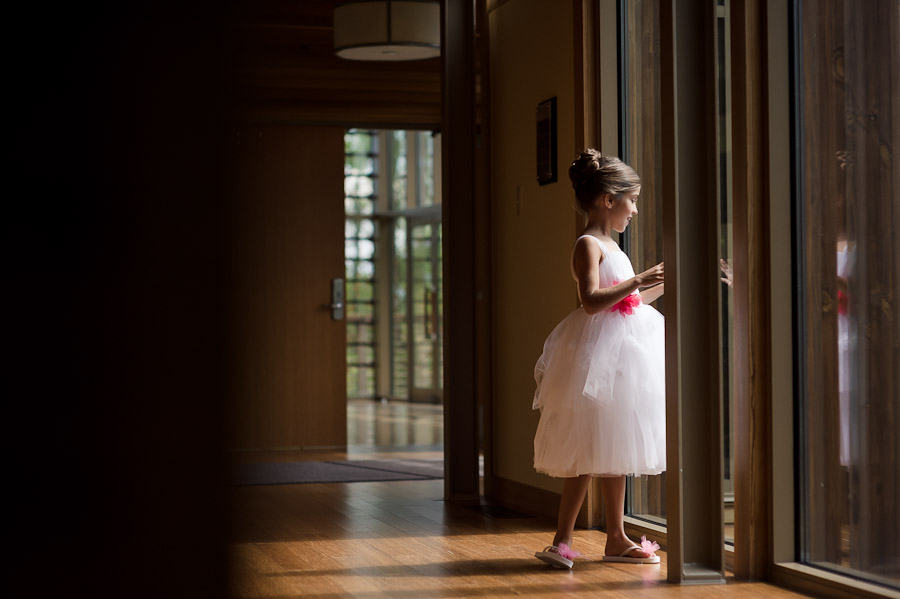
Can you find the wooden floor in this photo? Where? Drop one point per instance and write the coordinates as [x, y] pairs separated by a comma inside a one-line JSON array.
[[401, 540]]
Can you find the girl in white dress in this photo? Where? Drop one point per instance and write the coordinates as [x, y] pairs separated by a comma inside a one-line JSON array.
[[600, 379]]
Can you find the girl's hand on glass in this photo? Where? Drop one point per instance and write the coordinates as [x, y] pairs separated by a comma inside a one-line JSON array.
[[727, 275]]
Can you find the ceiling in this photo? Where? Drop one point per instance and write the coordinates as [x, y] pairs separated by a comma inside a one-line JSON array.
[[287, 71]]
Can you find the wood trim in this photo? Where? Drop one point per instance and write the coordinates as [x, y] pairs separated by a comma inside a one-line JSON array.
[[670, 225], [821, 583], [694, 477], [751, 419], [586, 29], [781, 524], [587, 73], [458, 148], [484, 247], [608, 71]]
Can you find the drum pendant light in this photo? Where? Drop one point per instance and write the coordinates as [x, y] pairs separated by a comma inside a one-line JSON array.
[[388, 30]]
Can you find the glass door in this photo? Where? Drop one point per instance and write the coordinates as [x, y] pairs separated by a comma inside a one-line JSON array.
[[426, 308], [641, 147]]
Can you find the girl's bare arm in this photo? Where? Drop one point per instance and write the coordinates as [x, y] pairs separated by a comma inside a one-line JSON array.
[[595, 299], [651, 294]]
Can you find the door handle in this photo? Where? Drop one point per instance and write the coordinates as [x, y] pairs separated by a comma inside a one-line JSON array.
[[337, 299]]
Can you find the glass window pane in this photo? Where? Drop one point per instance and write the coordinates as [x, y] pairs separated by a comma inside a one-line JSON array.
[[642, 149], [360, 291], [359, 142], [359, 311], [365, 270], [359, 165], [398, 170], [359, 186], [359, 206], [366, 249], [726, 243], [366, 229], [421, 249], [426, 168], [360, 170], [849, 277], [392, 164], [400, 339], [360, 354]]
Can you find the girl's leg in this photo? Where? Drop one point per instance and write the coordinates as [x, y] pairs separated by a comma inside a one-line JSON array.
[[572, 498], [614, 507]]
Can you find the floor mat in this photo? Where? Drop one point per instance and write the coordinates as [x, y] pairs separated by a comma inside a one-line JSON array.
[[292, 473]]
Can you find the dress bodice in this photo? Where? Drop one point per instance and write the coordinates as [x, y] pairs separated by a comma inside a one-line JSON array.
[[613, 269]]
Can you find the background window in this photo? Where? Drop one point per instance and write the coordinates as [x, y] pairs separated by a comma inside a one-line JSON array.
[[847, 261], [393, 266]]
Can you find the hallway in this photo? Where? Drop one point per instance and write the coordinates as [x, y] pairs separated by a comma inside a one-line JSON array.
[[401, 540]]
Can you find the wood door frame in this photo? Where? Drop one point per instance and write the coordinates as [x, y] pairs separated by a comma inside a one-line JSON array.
[[464, 357]]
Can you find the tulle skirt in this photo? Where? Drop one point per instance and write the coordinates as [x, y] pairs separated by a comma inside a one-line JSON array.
[[601, 393]]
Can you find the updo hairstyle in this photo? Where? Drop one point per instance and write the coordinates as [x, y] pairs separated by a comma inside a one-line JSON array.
[[594, 175]]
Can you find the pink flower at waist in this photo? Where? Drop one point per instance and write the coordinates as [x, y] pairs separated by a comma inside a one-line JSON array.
[[628, 303]]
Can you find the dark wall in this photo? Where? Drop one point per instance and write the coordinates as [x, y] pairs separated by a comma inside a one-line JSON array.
[[116, 262]]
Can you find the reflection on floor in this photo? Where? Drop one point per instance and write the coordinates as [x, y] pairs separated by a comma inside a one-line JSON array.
[[400, 540], [394, 424], [375, 430]]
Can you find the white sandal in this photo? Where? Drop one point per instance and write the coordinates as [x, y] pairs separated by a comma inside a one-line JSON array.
[[623, 557], [550, 555]]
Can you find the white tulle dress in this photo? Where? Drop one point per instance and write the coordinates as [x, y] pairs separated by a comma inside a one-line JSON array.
[[601, 387]]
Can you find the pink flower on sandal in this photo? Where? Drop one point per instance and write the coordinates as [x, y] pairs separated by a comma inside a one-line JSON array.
[[649, 547], [569, 553]]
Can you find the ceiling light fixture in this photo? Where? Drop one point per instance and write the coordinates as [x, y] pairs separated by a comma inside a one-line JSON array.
[[388, 30]]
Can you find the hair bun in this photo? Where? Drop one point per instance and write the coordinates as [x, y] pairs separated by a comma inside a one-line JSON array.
[[593, 175], [584, 167]]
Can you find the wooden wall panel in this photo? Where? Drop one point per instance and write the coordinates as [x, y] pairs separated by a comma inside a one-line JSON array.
[[752, 419], [289, 356]]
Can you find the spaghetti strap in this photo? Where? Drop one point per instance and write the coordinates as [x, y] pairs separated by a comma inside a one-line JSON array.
[[594, 237], [572, 257]]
